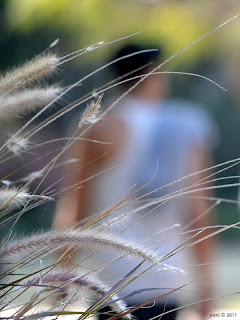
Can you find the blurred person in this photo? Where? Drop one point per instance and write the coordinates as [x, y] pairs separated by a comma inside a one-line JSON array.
[[155, 141]]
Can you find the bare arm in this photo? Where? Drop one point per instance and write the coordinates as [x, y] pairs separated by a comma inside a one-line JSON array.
[[73, 206]]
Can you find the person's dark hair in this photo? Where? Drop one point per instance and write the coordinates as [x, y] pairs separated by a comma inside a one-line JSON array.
[[135, 65]]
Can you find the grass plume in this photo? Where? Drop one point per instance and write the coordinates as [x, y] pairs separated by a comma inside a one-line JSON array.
[[26, 101], [82, 238], [13, 197], [91, 113], [38, 68], [16, 197], [18, 144], [89, 283]]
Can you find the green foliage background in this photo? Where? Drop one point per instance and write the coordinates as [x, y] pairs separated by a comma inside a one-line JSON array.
[[174, 23]]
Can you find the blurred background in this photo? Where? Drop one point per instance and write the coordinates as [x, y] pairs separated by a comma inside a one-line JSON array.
[[28, 28]]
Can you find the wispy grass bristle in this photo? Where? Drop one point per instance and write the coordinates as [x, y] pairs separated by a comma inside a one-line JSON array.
[[36, 69], [13, 197], [18, 144], [36, 174], [91, 113], [90, 283], [26, 101], [82, 238], [16, 197]]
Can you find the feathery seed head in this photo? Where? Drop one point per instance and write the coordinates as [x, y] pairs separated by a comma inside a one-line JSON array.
[[13, 197], [18, 144], [87, 285], [82, 238], [26, 101], [16, 197], [36, 69], [91, 113]]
